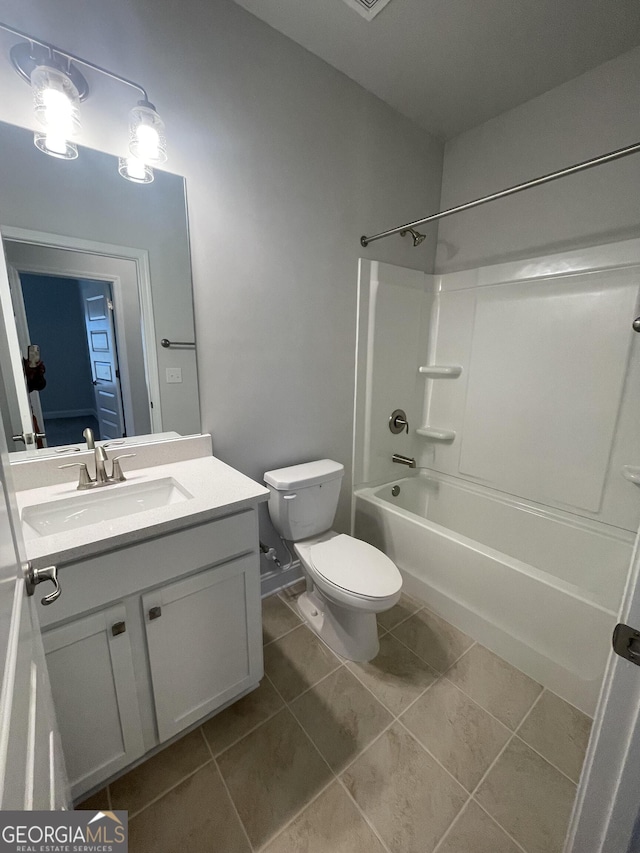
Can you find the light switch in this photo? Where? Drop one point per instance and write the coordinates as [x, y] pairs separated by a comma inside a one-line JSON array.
[[174, 374]]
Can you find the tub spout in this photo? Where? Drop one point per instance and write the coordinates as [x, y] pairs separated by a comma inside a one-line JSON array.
[[404, 460]]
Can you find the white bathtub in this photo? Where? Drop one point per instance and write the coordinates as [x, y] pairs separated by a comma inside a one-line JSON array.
[[540, 588]]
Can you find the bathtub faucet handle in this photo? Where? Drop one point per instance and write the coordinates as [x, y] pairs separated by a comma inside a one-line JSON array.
[[398, 422]]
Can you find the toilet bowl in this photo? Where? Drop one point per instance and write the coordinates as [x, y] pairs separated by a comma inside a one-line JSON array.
[[348, 581]]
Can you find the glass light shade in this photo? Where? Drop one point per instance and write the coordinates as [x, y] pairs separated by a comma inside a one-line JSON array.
[[147, 140], [135, 170], [56, 101], [55, 145]]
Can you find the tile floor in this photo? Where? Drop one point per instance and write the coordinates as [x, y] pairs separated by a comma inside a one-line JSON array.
[[436, 746]]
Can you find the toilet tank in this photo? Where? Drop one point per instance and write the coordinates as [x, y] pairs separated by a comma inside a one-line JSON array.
[[303, 498]]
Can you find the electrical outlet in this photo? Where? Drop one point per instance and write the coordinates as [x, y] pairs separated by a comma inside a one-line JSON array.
[[174, 374]]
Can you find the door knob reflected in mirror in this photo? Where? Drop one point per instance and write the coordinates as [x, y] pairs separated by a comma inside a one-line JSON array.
[[398, 422]]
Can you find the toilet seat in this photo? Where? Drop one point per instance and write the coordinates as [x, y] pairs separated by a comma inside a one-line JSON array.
[[355, 567]]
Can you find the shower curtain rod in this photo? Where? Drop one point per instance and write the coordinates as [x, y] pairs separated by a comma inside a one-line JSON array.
[[536, 182]]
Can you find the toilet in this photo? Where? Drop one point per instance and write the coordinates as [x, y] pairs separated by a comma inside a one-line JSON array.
[[348, 581]]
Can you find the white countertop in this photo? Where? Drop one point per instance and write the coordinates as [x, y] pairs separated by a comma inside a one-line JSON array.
[[217, 490]]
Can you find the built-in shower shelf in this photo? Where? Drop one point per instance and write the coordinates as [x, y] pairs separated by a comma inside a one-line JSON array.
[[631, 473], [437, 434], [440, 371]]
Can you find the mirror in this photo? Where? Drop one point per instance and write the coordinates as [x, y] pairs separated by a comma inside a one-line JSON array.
[[96, 274]]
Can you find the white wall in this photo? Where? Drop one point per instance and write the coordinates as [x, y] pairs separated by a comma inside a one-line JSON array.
[[590, 115], [287, 163]]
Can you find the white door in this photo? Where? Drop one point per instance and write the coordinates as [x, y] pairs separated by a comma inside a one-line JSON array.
[[24, 340], [32, 774], [14, 402], [101, 340], [606, 816]]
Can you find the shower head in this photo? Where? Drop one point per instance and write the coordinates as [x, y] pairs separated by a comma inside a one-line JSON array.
[[417, 237]]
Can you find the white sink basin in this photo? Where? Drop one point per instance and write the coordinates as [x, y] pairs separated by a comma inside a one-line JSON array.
[[102, 504]]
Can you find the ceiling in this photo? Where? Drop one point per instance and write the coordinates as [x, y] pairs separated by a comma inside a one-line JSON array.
[[452, 64]]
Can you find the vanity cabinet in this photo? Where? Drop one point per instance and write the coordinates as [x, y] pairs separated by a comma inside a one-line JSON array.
[[199, 643], [94, 692], [147, 640]]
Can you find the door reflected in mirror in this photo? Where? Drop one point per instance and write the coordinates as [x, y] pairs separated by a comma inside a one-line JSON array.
[[97, 273]]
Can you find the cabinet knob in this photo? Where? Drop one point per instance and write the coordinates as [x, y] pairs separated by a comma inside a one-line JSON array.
[[155, 612], [118, 628]]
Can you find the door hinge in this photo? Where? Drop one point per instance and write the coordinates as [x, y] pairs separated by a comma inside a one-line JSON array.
[[626, 643]]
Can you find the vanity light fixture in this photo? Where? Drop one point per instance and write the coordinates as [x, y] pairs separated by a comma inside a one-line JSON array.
[[56, 101], [147, 140], [135, 170], [58, 87]]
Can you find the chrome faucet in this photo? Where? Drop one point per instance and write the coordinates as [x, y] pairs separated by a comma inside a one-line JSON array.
[[409, 461], [88, 437]]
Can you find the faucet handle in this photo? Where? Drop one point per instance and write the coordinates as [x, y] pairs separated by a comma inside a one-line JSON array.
[[116, 472], [85, 481]]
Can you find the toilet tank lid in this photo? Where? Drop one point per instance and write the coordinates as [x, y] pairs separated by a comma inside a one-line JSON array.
[[307, 474]]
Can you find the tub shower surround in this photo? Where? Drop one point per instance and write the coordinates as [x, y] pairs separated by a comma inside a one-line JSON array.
[[518, 382]]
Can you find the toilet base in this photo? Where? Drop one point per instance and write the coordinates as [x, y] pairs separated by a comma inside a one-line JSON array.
[[352, 634]]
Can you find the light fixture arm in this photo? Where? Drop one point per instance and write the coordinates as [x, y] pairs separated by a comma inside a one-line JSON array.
[[53, 50]]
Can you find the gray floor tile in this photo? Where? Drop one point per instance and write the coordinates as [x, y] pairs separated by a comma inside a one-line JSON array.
[[137, 788], [195, 816], [297, 661], [493, 683], [341, 717], [331, 824], [457, 731], [529, 798], [396, 676], [475, 832], [235, 721], [277, 618], [403, 609], [406, 795], [434, 640], [272, 774], [559, 732]]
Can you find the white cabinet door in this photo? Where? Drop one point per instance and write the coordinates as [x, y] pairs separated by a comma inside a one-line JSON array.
[[204, 643], [94, 692]]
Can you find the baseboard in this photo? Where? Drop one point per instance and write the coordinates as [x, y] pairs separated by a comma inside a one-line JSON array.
[[70, 413], [278, 579]]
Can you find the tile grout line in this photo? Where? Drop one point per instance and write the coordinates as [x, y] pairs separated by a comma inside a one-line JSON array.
[[216, 755], [315, 684], [450, 827], [171, 788], [335, 776], [544, 758], [437, 760], [472, 797], [396, 719], [499, 825], [460, 656], [362, 814], [228, 792], [322, 789], [484, 776], [281, 636]]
